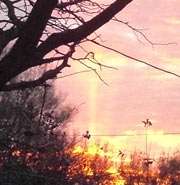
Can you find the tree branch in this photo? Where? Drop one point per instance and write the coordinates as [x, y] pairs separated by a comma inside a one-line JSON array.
[[135, 59], [73, 35], [24, 53], [7, 36], [18, 59], [63, 5], [11, 13], [50, 74]]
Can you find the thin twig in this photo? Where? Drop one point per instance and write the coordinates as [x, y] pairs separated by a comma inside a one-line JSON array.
[[43, 103], [137, 60], [137, 31], [85, 71]]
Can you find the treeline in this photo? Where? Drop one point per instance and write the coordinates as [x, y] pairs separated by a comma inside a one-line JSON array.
[[35, 149]]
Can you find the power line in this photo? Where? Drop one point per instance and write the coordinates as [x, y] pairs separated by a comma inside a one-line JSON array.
[[131, 135]]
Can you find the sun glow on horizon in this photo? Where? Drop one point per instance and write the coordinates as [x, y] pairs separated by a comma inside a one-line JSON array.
[[131, 140]]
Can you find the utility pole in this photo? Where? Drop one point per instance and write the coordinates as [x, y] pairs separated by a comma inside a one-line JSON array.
[[147, 160]]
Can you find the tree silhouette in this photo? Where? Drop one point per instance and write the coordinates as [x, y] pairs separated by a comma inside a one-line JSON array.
[[33, 140], [34, 29], [169, 168]]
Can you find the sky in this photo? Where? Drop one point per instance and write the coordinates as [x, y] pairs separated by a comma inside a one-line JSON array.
[[135, 91]]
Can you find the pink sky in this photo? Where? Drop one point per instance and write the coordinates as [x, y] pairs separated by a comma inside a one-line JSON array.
[[135, 91]]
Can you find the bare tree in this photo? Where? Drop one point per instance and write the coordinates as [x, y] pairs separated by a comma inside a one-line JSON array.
[[34, 29]]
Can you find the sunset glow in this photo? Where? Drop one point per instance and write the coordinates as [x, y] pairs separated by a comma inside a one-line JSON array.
[[94, 162], [90, 92], [136, 91]]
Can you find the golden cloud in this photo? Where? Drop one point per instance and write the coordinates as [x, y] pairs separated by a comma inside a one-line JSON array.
[[172, 20]]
